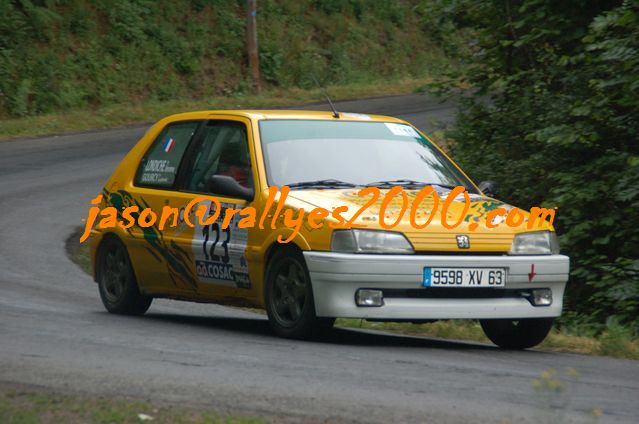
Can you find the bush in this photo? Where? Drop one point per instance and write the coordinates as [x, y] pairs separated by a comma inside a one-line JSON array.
[[555, 118]]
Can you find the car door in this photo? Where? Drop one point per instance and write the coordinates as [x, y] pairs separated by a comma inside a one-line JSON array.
[[218, 251]]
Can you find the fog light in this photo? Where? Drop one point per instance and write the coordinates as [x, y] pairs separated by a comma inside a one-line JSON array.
[[541, 297], [366, 297]]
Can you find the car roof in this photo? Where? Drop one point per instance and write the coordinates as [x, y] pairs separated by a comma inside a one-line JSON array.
[[285, 114]]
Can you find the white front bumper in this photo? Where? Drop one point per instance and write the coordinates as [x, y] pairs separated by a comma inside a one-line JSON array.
[[337, 276]]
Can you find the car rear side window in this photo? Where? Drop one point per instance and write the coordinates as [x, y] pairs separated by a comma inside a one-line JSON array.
[[160, 164]]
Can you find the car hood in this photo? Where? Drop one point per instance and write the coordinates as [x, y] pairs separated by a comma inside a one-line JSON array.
[[435, 236]]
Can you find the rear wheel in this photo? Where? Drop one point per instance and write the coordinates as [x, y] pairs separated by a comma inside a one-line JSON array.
[[289, 297], [517, 334], [116, 280]]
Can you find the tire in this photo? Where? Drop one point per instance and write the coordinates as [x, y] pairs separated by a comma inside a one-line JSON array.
[[116, 280], [288, 296], [517, 334]]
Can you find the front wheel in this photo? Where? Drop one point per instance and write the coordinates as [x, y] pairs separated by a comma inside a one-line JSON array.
[[116, 280], [289, 297], [517, 334]]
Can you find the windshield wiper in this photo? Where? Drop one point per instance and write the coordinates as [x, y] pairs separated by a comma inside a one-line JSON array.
[[407, 183], [322, 184]]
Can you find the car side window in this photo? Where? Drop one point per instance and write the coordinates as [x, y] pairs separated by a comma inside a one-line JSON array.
[[159, 167], [223, 150]]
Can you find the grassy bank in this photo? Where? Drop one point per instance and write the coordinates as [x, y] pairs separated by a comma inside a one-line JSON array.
[[615, 342], [149, 111], [21, 404], [58, 56]]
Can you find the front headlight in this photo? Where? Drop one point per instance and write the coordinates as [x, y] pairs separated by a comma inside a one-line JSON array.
[[369, 241], [536, 243]]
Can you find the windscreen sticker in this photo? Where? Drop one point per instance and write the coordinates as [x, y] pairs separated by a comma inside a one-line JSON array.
[[401, 130], [220, 252], [356, 116]]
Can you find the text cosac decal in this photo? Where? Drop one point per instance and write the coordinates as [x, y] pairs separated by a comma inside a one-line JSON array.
[[220, 252]]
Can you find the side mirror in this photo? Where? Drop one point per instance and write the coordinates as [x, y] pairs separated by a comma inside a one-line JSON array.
[[227, 186], [489, 188]]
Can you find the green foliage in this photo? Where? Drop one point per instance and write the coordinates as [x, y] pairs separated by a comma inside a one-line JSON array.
[[617, 340], [555, 118], [64, 54]]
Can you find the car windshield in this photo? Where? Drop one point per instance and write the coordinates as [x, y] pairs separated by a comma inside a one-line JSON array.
[[338, 154]]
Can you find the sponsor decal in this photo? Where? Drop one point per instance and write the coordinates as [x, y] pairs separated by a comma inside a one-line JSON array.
[[128, 209], [463, 241], [219, 246], [170, 143], [208, 270]]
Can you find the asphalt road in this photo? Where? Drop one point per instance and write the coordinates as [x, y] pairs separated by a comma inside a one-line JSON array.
[[55, 333]]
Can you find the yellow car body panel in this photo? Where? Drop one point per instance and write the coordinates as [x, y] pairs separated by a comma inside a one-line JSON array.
[[165, 262]]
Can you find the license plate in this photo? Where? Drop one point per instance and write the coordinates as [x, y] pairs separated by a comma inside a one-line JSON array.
[[464, 277]]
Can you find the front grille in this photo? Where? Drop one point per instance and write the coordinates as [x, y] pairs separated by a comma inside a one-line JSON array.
[[453, 293], [447, 242]]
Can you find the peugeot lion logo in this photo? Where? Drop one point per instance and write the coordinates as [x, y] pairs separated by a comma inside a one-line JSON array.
[[463, 242]]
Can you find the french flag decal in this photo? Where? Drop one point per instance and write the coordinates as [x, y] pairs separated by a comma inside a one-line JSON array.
[[169, 145]]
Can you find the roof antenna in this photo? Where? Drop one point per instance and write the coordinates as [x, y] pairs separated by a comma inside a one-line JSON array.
[[328, 99], [335, 112]]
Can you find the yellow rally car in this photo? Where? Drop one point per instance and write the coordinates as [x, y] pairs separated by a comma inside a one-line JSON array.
[[511, 279]]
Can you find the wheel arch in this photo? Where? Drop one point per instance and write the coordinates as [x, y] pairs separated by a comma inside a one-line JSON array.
[[272, 245], [98, 251], [276, 247], [270, 252]]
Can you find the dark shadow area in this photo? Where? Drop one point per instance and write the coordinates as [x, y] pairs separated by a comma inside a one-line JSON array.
[[336, 336]]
